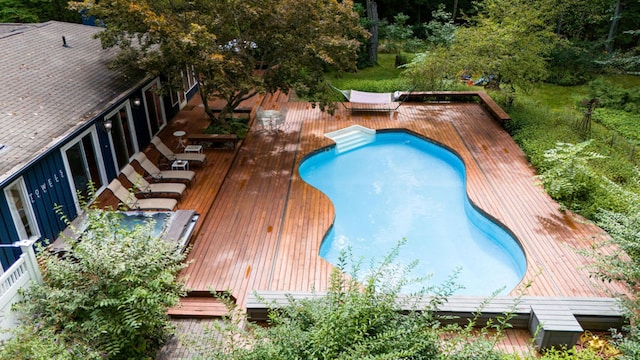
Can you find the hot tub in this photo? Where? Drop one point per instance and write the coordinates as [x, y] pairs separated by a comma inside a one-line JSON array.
[[174, 226]]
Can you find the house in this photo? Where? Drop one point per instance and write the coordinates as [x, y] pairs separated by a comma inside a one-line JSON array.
[[66, 120]]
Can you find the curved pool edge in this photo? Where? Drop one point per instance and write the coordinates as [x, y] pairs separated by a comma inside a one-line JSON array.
[[470, 204]]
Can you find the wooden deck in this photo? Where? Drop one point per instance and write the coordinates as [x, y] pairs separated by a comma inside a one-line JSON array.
[[262, 226]]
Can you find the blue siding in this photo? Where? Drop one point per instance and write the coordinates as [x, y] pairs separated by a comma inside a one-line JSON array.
[[47, 186], [8, 234], [105, 151], [47, 182]]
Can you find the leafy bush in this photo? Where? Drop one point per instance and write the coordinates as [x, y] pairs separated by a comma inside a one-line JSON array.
[[623, 122], [108, 295], [567, 176], [571, 65], [354, 320], [613, 96]]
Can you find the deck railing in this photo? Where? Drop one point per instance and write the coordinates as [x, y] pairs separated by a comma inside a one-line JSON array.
[[19, 275]]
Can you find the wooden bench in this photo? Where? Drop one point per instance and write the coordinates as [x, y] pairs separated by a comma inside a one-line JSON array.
[[209, 139], [554, 326], [465, 96], [493, 107], [555, 321]]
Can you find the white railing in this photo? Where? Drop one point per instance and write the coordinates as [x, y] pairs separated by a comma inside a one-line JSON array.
[[19, 275]]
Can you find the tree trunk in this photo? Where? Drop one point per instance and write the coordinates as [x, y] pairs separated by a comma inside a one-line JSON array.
[[614, 27], [455, 10], [204, 96], [372, 15]]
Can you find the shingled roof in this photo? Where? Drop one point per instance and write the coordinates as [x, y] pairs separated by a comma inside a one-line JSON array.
[[48, 90]]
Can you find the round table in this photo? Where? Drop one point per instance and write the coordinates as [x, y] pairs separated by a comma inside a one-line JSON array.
[[179, 134]]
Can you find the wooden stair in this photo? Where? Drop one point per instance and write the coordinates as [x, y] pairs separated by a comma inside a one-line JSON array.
[[199, 305]]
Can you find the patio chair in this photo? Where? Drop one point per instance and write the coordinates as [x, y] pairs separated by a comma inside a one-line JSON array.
[[133, 203], [147, 189], [171, 156], [183, 176]]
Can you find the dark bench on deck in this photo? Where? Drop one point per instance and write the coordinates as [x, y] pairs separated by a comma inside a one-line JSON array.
[[555, 321], [209, 139]]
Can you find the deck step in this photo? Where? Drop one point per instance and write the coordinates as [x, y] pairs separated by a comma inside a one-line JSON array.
[[351, 137], [199, 307]]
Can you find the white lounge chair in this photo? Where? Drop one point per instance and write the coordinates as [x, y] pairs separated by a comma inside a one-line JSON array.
[[163, 175], [133, 203], [171, 156], [156, 189]]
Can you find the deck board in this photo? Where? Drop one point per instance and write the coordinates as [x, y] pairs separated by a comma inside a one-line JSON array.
[[262, 226]]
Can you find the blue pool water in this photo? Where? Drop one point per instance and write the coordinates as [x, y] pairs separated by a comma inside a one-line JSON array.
[[401, 186]]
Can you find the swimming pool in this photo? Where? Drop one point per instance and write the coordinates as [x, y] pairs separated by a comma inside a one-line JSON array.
[[401, 186]]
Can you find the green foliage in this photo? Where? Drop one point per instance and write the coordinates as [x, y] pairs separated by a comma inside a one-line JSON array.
[[620, 121], [507, 39], [108, 295], [428, 72], [238, 124], [614, 96], [570, 354], [440, 30], [355, 320], [396, 33], [570, 64], [224, 41], [567, 176], [31, 11]]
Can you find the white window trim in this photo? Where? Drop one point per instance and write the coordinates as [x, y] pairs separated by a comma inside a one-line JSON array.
[[132, 132], [31, 216], [99, 160], [146, 107]]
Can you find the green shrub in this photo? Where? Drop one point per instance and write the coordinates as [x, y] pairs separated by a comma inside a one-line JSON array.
[[571, 65], [108, 295], [354, 320], [621, 121], [567, 176], [614, 96], [570, 354]]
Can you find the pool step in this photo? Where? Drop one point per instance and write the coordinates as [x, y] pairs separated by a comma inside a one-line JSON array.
[[351, 137], [199, 305]]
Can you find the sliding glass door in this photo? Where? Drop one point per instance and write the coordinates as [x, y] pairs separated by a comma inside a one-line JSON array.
[[83, 164], [122, 135], [154, 108]]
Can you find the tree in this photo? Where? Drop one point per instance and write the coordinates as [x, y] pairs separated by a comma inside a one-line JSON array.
[[225, 41], [507, 40], [106, 298], [31, 11], [372, 46]]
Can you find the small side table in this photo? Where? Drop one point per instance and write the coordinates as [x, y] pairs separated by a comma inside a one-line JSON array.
[[193, 149], [179, 134], [180, 165]]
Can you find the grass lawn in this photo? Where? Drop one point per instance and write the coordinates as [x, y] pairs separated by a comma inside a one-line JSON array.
[[567, 97]]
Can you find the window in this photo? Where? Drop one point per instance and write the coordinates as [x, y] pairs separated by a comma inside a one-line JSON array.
[[83, 164], [154, 108], [21, 210], [122, 135]]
